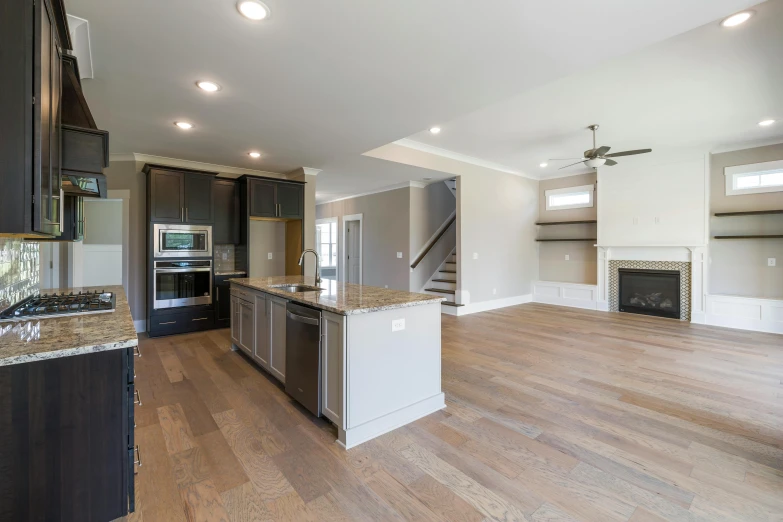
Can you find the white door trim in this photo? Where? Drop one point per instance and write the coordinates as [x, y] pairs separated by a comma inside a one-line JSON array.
[[346, 219]]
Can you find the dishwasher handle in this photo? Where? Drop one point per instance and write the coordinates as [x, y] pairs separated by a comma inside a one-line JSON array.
[[302, 319]]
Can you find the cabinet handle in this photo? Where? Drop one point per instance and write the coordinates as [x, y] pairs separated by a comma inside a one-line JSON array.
[[136, 351], [138, 398], [201, 319], [217, 294], [137, 454], [167, 322]]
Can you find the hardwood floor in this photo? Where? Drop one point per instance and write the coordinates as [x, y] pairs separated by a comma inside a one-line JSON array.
[[554, 414]]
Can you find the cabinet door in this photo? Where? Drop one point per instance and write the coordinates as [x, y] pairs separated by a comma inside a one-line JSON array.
[[246, 326], [263, 198], [290, 201], [222, 301], [332, 349], [236, 320], [225, 231], [166, 199], [277, 337], [262, 351], [198, 198]]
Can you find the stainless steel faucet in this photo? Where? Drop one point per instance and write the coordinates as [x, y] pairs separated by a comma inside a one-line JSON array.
[[317, 264]]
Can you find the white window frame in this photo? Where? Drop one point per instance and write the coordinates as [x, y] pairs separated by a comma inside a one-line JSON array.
[[732, 174], [325, 221], [590, 189]]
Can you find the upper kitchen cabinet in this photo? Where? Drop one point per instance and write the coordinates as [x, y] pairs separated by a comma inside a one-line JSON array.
[[225, 231], [33, 36], [276, 199], [180, 195]]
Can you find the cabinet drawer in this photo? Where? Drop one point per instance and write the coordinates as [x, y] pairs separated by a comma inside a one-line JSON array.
[[240, 293], [170, 324]]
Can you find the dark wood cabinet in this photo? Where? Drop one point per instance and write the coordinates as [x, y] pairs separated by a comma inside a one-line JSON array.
[[263, 198], [180, 196], [225, 194], [274, 199], [223, 301], [66, 438]]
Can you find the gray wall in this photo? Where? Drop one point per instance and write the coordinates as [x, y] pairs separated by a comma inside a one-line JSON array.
[[582, 264], [739, 267], [386, 231], [430, 207], [105, 222], [267, 237], [496, 215]]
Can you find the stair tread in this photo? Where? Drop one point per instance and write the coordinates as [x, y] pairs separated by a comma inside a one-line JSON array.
[[440, 290], [447, 271], [444, 281], [449, 303]]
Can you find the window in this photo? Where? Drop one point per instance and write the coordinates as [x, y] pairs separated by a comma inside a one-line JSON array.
[[326, 239], [754, 179], [571, 197]]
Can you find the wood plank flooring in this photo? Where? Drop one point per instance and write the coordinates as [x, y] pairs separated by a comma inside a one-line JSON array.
[[554, 414]]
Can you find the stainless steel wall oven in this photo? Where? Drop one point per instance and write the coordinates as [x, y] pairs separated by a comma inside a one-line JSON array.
[[182, 283]]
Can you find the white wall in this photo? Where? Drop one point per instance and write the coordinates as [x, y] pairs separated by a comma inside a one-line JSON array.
[[654, 202]]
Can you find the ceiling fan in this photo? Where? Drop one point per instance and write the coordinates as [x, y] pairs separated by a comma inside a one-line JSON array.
[[597, 156]]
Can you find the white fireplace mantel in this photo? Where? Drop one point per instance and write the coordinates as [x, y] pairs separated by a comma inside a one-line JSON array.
[[696, 255]]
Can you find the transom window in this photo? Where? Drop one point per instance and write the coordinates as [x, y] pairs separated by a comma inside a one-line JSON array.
[[754, 179], [570, 197]]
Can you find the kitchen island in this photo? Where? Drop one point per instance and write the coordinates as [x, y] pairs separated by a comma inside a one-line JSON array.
[[67, 392], [380, 350]]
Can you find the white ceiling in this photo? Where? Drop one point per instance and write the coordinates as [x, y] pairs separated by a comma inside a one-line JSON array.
[[707, 89], [319, 83]]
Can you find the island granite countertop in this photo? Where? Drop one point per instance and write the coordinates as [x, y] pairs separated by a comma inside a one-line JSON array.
[[338, 297], [36, 339]]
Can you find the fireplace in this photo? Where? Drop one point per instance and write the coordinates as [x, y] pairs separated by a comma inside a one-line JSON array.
[[650, 292]]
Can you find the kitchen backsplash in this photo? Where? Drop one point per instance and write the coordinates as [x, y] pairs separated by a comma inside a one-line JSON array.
[[224, 257], [19, 270]]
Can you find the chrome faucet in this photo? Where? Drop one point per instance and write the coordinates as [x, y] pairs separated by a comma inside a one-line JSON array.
[[317, 264]]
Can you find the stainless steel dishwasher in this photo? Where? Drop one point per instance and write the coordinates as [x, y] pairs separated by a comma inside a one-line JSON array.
[[303, 356]]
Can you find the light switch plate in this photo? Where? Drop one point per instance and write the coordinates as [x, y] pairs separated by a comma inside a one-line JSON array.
[[399, 255], [568, 258], [269, 255], [398, 324], [475, 255], [772, 261]]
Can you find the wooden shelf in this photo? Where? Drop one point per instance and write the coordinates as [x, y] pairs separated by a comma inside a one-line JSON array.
[[775, 236], [748, 213], [567, 222], [571, 239]]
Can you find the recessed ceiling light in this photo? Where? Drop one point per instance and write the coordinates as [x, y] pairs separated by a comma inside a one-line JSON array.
[[253, 9], [737, 19], [543, 165], [183, 125], [435, 130], [208, 86], [766, 123], [254, 154]]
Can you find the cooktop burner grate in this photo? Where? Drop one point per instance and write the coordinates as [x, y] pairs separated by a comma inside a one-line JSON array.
[[61, 304]]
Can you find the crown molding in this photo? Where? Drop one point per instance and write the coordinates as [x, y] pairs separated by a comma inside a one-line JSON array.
[[195, 165], [747, 145], [388, 188], [464, 158]]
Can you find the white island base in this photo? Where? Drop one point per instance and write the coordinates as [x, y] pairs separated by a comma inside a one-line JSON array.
[[387, 379]]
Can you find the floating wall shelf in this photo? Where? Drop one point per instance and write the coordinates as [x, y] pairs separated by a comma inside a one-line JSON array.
[[776, 236], [572, 239], [566, 222], [748, 213]]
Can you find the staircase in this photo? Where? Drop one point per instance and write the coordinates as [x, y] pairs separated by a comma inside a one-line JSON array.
[[444, 281]]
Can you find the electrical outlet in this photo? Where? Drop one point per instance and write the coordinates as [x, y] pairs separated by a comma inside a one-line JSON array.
[[494, 291], [568, 258], [399, 255], [771, 261], [657, 220], [269, 255], [475, 255], [398, 324], [225, 256]]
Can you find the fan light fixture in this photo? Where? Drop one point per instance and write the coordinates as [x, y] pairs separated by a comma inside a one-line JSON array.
[[183, 125], [737, 19], [595, 162], [253, 9]]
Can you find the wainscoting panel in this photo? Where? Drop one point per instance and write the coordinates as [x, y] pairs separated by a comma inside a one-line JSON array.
[[565, 294], [746, 313]]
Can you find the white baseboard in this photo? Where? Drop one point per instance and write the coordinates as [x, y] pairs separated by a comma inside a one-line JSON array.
[[485, 306], [141, 325], [698, 317], [566, 294], [602, 306], [745, 313], [391, 421]]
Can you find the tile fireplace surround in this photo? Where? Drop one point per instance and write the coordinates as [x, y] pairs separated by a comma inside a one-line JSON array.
[[689, 261]]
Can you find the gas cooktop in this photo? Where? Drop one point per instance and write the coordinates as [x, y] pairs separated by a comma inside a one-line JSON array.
[[49, 305]]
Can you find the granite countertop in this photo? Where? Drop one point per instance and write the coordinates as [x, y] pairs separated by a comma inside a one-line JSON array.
[[52, 337], [229, 272], [340, 298]]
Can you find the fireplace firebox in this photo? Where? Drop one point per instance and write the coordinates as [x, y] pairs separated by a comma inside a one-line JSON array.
[[650, 292]]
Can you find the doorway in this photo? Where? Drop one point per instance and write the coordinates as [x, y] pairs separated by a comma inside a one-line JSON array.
[[352, 262], [103, 241]]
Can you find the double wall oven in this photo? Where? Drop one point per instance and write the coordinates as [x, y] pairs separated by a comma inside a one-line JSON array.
[[186, 280]]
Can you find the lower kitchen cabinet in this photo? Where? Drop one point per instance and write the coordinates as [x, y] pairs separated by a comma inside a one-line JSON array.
[[193, 320], [262, 351], [277, 336], [222, 292], [332, 344], [67, 450]]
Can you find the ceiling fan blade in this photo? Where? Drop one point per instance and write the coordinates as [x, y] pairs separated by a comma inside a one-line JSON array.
[[610, 163], [571, 165], [628, 153], [590, 153], [600, 151], [565, 159]]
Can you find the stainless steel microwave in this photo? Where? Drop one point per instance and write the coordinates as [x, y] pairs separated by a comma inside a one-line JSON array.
[[182, 241]]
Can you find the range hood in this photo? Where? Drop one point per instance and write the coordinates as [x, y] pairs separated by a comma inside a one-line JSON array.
[[84, 185]]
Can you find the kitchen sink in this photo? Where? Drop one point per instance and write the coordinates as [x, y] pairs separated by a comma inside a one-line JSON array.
[[297, 288]]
